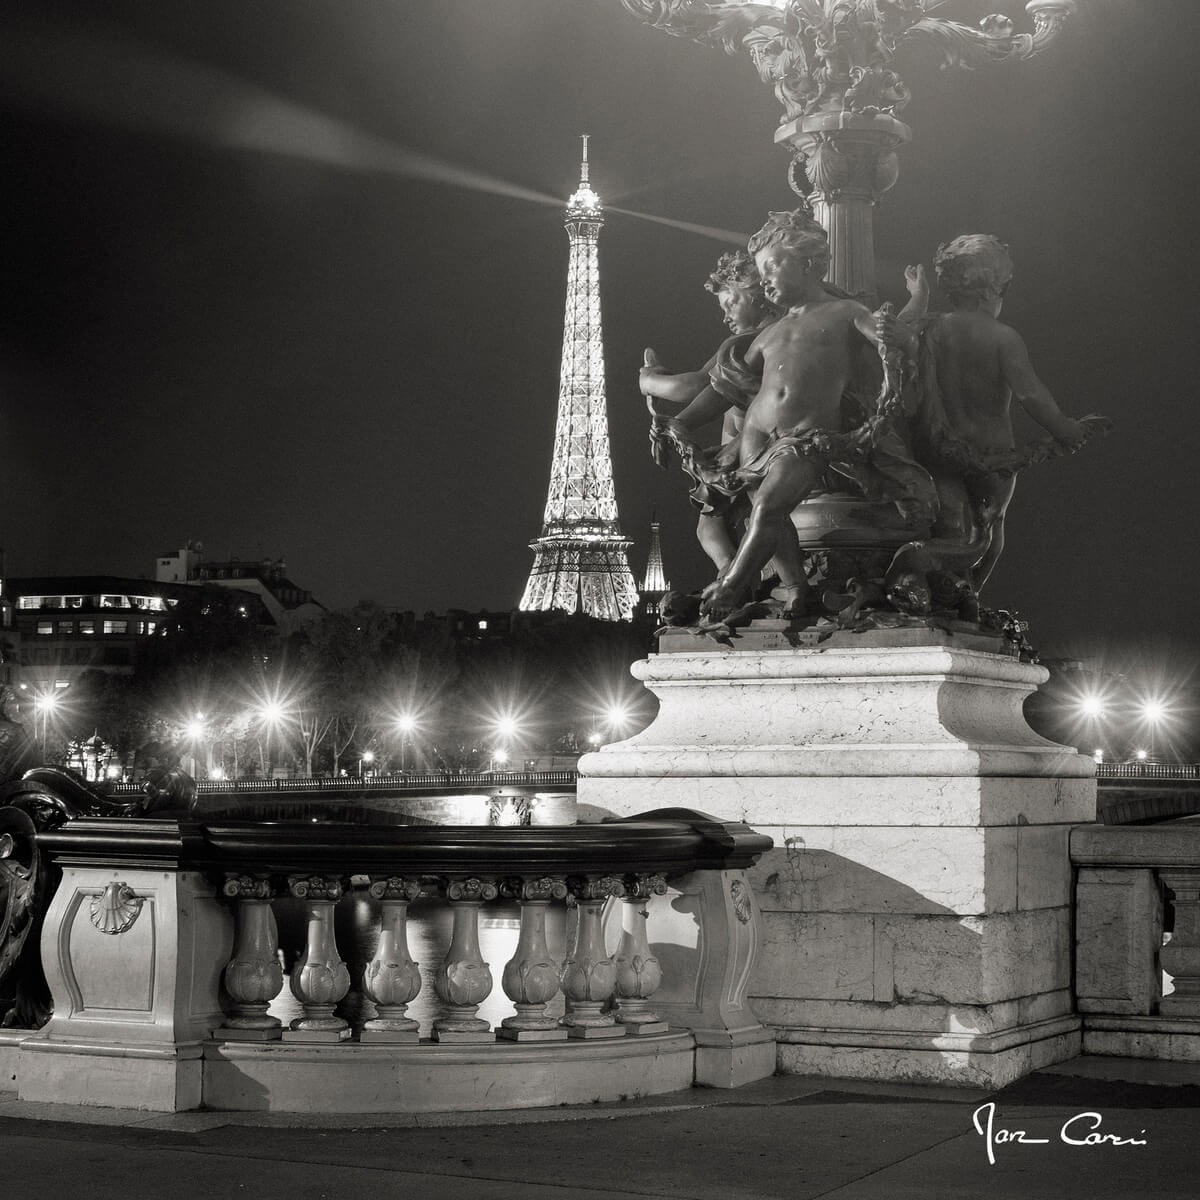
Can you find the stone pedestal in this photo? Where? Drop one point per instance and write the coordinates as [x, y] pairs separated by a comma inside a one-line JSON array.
[[916, 909], [133, 956]]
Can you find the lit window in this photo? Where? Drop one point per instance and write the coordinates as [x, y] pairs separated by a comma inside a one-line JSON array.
[[151, 626], [482, 624], [45, 628], [62, 683], [116, 626], [30, 602], [74, 602], [87, 626], [66, 627]]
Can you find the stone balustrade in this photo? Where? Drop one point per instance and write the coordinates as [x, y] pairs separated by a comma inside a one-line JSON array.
[[1137, 897], [171, 1006]]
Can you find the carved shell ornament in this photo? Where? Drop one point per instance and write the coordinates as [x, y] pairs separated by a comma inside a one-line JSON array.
[[116, 908]]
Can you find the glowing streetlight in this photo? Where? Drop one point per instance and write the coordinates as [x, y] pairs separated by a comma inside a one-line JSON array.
[[368, 757], [499, 757], [1092, 706], [1155, 713], [507, 728], [406, 725], [45, 704], [271, 712], [195, 729]]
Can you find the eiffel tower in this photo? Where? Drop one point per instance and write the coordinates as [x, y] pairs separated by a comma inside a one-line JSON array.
[[579, 562]]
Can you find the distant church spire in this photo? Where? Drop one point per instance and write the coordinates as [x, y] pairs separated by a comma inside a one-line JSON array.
[[579, 562], [654, 582]]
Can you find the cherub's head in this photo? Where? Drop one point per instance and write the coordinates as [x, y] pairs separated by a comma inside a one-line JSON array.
[[789, 250], [739, 290], [974, 269]]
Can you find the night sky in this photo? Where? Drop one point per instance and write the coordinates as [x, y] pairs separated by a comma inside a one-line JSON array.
[[240, 307]]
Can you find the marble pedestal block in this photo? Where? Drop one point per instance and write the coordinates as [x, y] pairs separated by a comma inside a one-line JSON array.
[[916, 908], [133, 956]]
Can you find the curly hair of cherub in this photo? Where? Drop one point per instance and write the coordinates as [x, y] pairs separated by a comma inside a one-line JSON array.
[[736, 269], [973, 266], [799, 232]]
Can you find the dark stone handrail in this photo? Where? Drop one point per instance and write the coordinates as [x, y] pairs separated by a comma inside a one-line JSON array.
[[671, 842]]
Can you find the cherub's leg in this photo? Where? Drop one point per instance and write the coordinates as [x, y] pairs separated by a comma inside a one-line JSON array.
[[712, 531], [994, 505], [987, 564], [788, 480], [788, 564]]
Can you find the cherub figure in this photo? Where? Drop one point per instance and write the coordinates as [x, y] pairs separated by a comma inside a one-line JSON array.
[[721, 388], [798, 437], [970, 368]]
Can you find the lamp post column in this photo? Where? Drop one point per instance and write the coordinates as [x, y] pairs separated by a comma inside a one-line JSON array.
[[843, 162]]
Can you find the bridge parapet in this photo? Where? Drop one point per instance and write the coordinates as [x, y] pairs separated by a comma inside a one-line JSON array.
[[1138, 917], [162, 954]]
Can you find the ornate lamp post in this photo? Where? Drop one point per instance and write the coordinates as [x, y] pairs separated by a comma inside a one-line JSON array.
[[830, 63]]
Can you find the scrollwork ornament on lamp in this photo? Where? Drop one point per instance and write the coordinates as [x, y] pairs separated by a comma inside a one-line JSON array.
[[825, 56], [831, 64]]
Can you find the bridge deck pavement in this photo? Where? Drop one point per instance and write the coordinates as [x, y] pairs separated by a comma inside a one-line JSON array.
[[787, 1138]]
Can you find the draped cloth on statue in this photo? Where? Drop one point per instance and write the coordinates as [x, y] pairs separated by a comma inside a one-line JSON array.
[[870, 452]]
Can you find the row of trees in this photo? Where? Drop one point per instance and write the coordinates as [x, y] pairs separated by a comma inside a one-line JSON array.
[[359, 682]]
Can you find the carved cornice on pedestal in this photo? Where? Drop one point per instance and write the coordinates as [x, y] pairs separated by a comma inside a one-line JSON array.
[[316, 887], [522, 888], [394, 887]]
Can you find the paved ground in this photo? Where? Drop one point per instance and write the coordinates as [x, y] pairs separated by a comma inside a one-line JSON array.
[[788, 1138]]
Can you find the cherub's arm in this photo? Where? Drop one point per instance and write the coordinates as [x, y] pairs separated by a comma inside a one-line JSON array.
[[654, 381], [918, 294], [884, 327], [1033, 395], [707, 406]]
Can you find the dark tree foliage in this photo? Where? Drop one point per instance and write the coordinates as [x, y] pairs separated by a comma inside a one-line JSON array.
[[341, 685]]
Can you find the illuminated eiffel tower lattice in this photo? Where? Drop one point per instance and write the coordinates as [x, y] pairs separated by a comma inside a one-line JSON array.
[[580, 563]]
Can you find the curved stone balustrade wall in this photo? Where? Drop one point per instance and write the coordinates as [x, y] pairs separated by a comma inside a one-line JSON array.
[[162, 954]]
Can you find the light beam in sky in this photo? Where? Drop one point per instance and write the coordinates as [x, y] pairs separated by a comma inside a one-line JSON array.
[[120, 82]]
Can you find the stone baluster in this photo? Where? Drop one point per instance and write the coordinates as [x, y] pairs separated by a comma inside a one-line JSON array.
[[1180, 957], [253, 975], [638, 971], [589, 974], [320, 978], [463, 981], [391, 979], [530, 977]]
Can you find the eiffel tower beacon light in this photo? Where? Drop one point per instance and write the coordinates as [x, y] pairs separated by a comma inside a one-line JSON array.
[[580, 562]]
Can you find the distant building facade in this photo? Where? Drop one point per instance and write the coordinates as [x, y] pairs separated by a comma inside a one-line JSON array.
[[290, 607], [68, 624]]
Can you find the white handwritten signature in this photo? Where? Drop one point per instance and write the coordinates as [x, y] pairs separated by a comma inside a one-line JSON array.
[[1083, 1129]]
